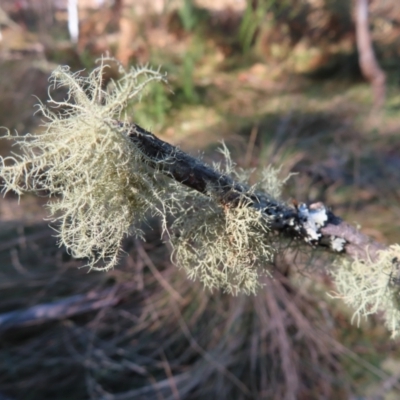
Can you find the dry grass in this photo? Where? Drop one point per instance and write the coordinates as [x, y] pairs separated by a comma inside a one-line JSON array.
[[166, 339]]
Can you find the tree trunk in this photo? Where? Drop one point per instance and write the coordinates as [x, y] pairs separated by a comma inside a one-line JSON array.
[[368, 63]]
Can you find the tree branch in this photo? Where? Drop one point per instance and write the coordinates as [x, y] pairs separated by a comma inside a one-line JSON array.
[[61, 309], [315, 224]]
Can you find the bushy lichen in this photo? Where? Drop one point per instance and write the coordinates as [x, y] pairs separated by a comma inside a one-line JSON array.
[[227, 248], [269, 180], [372, 286], [86, 163], [100, 184]]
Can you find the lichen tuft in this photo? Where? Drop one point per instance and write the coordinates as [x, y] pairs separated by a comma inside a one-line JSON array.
[[228, 248], [372, 286], [96, 178], [225, 248]]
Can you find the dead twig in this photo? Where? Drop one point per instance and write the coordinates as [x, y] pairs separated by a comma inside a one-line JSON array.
[[61, 309]]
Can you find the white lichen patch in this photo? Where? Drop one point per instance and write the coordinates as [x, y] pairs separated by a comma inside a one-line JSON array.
[[313, 218], [336, 244], [86, 164], [372, 286]]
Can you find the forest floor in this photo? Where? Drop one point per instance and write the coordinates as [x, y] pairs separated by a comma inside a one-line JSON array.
[[325, 131]]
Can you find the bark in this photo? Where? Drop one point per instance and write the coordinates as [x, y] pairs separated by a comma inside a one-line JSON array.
[[297, 222], [368, 63]]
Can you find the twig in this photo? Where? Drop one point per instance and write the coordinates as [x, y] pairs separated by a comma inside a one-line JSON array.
[[315, 224], [250, 147], [65, 308], [163, 282]]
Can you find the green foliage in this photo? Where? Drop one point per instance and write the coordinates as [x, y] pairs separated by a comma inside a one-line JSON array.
[[254, 17], [187, 15], [249, 25], [185, 88], [188, 87], [153, 110]]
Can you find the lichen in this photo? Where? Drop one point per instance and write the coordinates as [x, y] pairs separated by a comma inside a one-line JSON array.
[[269, 180], [313, 218], [228, 248], [372, 286], [96, 178], [225, 248], [337, 244]]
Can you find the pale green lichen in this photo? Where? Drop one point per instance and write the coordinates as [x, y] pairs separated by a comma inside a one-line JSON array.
[[228, 248], [225, 248], [269, 180], [86, 163], [372, 286], [100, 186]]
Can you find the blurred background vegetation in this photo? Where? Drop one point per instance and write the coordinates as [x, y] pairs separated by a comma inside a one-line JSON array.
[[279, 82]]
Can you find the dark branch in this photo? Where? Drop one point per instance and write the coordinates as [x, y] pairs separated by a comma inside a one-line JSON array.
[[313, 224]]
